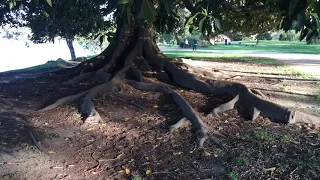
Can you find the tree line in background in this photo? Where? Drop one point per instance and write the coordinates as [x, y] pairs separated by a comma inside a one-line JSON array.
[[92, 23], [171, 39]]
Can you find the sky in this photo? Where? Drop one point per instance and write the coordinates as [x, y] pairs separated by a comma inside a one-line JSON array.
[[15, 54]]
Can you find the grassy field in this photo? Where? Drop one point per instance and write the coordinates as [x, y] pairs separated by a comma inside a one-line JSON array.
[[269, 46], [222, 57], [238, 58]]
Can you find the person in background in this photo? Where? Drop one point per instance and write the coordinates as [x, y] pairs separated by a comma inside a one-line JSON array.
[[186, 43], [195, 44]]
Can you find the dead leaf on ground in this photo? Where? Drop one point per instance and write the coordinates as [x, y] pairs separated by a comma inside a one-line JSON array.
[[127, 118], [127, 171], [119, 156], [177, 153]]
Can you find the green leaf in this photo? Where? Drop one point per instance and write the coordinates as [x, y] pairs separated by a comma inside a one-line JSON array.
[[49, 2], [191, 29], [218, 25], [201, 24], [45, 14], [204, 12], [124, 1], [149, 12], [10, 5], [21, 6], [191, 19], [271, 170]]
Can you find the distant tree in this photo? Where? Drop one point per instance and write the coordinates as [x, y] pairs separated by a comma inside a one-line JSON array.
[[264, 36]]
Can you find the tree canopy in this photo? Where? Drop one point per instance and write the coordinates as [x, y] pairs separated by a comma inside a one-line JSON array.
[[69, 18]]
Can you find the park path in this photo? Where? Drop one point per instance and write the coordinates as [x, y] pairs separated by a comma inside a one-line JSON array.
[[307, 63]]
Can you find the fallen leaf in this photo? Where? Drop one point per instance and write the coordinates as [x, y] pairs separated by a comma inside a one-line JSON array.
[[103, 125], [177, 153], [206, 153], [271, 170], [225, 114], [51, 152], [127, 118], [121, 171], [90, 129], [148, 172], [119, 156], [313, 132], [127, 171], [181, 90], [147, 158], [155, 106]]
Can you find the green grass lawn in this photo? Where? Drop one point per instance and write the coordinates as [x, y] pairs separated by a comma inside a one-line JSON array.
[[268, 46], [222, 57]]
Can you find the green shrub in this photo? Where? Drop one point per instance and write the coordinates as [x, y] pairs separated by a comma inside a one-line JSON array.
[[264, 36], [283, 37]]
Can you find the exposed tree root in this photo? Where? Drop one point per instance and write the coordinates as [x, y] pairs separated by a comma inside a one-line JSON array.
[[190, 115], [80, 78], [141, 54], [62, 101], [210, 74], [258, 92], [254, 104], [35, 142]]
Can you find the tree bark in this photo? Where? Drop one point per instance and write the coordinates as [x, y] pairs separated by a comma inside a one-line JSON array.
[[134, 52], [71, 48]]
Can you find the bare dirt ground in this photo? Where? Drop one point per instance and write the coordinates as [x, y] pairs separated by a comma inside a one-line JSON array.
[[133, 142]]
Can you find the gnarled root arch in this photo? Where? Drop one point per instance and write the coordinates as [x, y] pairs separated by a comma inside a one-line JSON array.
[[134, 52]]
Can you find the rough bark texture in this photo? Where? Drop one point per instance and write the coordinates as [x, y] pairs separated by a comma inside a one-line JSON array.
[[133, 52]]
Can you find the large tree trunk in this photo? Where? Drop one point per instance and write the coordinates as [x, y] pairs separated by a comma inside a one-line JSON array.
[[71, 48], [134, 52]]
